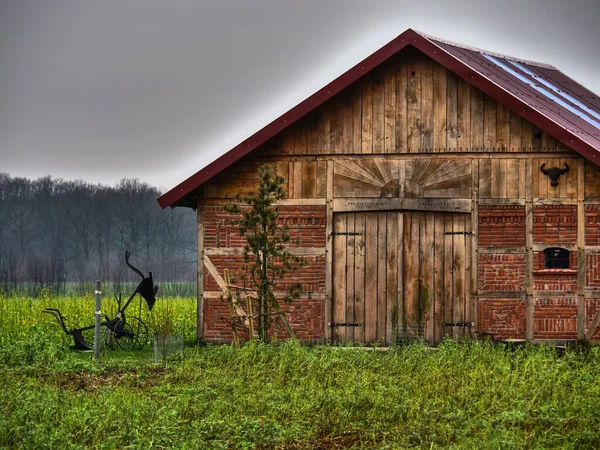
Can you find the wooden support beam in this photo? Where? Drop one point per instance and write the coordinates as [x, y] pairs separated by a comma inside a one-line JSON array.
[[529, 312], [215, 274], [329, 250], [200, 277], [581, 266], [474, 240]]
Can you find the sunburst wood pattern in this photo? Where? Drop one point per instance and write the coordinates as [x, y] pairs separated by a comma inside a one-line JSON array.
[[369, 177], [441, 178]]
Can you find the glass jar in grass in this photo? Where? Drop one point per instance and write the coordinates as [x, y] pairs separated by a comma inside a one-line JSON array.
[[167, 338]]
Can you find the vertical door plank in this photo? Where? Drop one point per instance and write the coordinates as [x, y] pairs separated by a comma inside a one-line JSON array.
[[427, 285], [458, 274], [448, 266], [359, 276], [512, 178], [339, 276], [411, 266], [350, 245], [485, 178], [392, 277], [381, 277], [438, 274], [371, 278]]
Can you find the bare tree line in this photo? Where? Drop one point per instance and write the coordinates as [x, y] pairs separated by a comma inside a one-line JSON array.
[[54, 233]]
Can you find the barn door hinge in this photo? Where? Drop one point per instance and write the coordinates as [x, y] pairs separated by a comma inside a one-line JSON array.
[[342, 324], [458, 232], [458, 324], [344, 233]]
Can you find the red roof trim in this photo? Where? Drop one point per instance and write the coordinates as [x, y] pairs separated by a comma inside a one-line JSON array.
[[409, 37]]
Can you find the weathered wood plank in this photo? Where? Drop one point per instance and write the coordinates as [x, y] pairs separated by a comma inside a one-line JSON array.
[[381, 277], [359, 276], [391, 261], [464, 116], [378, 111], [452, 113], [427, 107], [367, 115], [370, 277], [438, 276], [459, 274], [427, 263], [413, 204], [439, 107], [349, 275], [477, 119], [413, 102], [489, 131], [401, 108], [448, 314], [390, 110], [411, 266], [339, 276]]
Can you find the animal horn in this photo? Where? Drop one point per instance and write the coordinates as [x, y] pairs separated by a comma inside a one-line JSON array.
[[565, 169], [544, 171]]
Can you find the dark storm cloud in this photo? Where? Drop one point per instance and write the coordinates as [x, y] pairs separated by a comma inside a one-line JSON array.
[[100, 90]]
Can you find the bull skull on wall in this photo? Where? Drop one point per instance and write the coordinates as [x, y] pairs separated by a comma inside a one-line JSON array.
[[554, 173]]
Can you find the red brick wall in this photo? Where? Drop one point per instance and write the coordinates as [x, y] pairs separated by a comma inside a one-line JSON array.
[[504, 318], [311, 275], [306, 317], [501, 226], [592, 278], [555, 318], [554, 225], [305, 224], [592, 225], [502, 272]]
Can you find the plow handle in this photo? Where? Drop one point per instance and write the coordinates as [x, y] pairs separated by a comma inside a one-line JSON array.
[[59, 317]]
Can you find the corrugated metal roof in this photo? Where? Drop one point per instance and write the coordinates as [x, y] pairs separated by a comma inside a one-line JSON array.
[[542, 87], [539, 92]]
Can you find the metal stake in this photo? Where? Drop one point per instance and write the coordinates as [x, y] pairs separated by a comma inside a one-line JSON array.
[[97, 323]]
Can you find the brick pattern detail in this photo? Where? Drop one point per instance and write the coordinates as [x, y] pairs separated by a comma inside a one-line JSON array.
[[592, 225], [501, 226], [503, 318], [592, 276], [305, 223], [502, 272], [555, 318], [312, 275], [591, 306], [555, 225], [306, 317]]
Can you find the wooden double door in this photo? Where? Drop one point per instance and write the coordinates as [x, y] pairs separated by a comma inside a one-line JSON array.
[[401, 275]]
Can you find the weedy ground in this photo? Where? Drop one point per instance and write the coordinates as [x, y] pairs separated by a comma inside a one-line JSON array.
[[283, 395]]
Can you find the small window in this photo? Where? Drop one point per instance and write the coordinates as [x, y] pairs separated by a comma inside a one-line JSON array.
[[556, 258]]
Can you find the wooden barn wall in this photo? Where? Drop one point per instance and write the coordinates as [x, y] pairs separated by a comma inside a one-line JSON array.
[[368, 150]]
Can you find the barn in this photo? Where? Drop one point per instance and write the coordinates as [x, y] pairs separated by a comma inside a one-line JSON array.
[[436, 189]]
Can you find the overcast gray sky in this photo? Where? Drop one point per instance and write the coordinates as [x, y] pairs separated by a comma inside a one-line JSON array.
[[156, 89]]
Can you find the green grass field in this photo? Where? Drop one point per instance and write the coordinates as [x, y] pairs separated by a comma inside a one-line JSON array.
[[283, 395]]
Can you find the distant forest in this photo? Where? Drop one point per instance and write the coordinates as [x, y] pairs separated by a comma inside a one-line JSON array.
[[57, 233]]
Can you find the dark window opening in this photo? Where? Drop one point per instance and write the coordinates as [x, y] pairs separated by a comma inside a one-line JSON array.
[[556, 258]]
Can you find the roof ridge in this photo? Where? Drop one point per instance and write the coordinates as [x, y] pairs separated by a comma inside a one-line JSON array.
[[486, 52]]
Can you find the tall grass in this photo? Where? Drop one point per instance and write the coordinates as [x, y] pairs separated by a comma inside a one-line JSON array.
[[471, 396]]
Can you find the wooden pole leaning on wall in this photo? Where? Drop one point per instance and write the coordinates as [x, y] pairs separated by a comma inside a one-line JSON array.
[[250, 320], [229, 298]]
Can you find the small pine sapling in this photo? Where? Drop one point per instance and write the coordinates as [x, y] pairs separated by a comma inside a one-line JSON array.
[[266, 259]]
